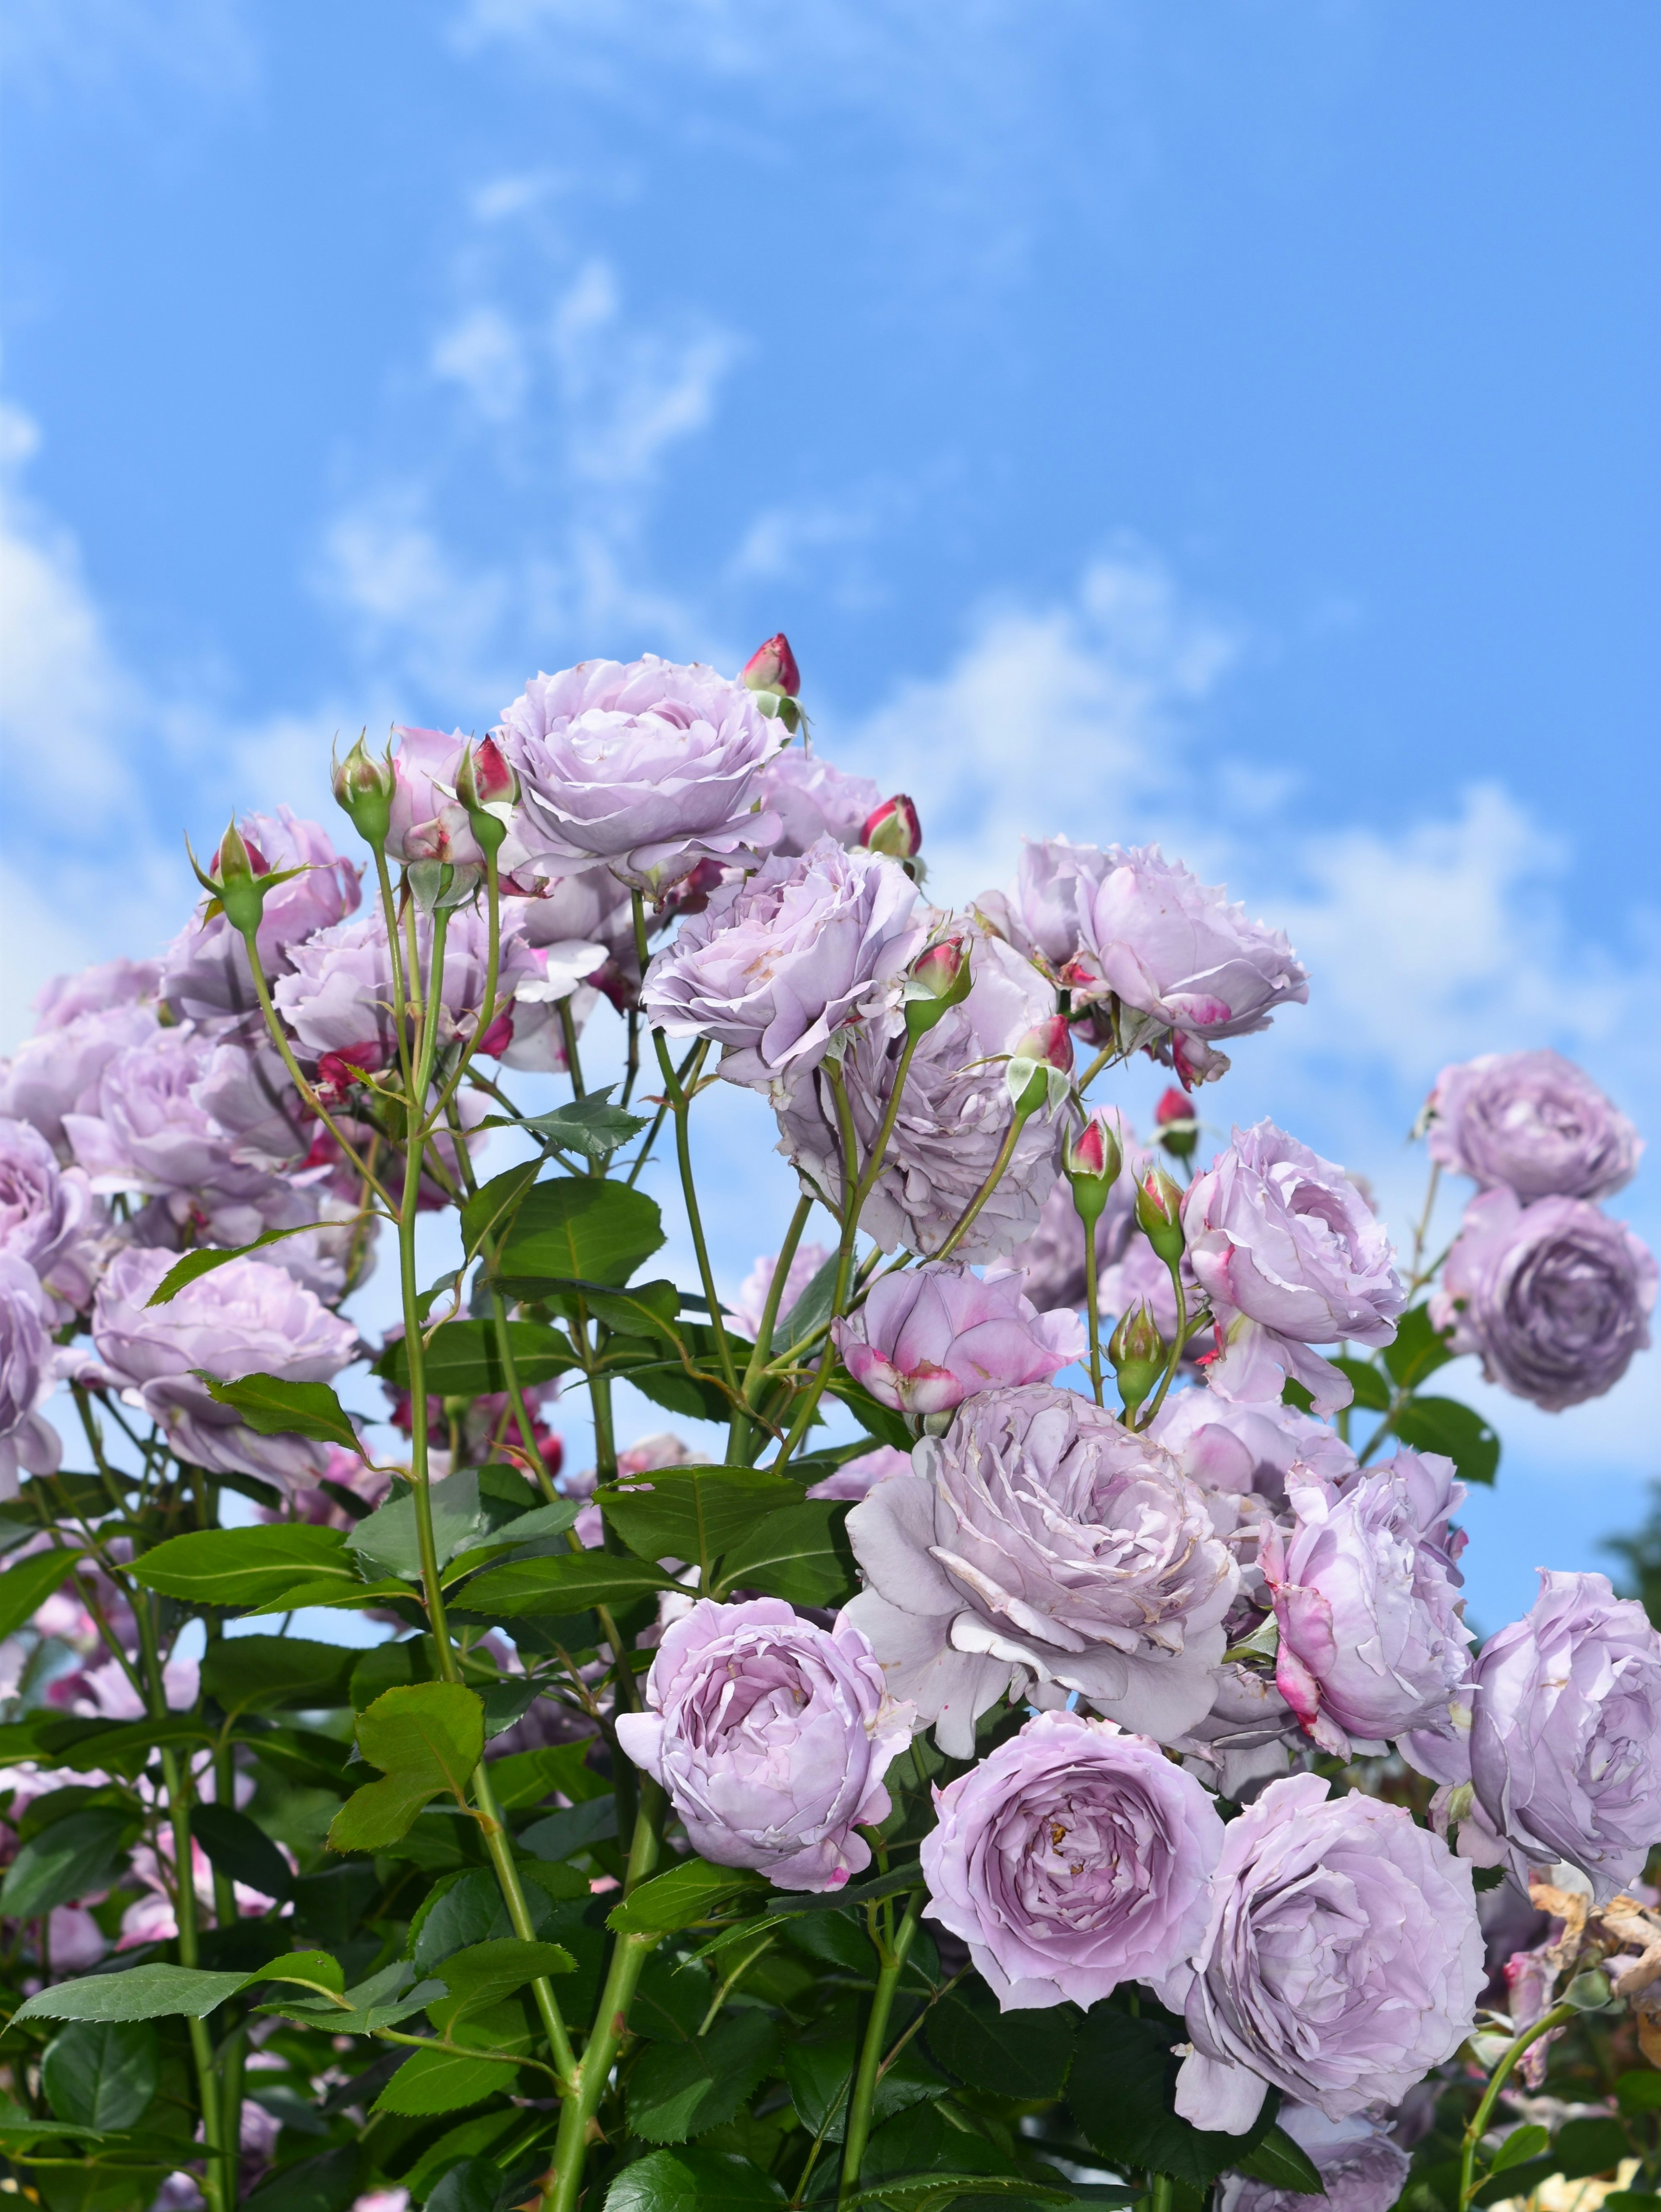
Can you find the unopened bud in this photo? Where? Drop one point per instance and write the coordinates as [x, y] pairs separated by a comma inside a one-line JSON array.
[[1589, 1992], [1091, 1160], [239, 876], [1139, 1353], [772, 674], [1042, 1065], [938, 980], [364, 787], [488, 789], [894, 829], [1159, 1214], [1173, 1117]]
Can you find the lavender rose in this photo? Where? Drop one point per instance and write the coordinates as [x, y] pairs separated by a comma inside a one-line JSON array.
[[246, 1318], [205, 971], [1289, 1255], [95, 990], [772, 1737], [856, 1478], [926, 1339], [340, 996], [1043, 915], [1342, 1959], [1565, 1741], [50, 1218], [27, 1375], [777, 964], [649, 768], [1364, 2167], [1554, 1297], [1244, 1451], [1372, 1641], [1039, 1548], [1532, 1123], [1072, 1859], [812, 799], [751, 1302], [57, 1070], [955, 1114]]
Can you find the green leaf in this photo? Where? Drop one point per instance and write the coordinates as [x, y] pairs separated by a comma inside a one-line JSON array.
[[1013, 2054], [648, 1310], [1638, 2091], [206, 1258], [573, 1829], [692, 1513], [812, 1310], [240, 1851], [681, 2089], [460, 1518], [1121, 2089], [1522, 2143], [101, 2073], [442, 2081], [569, 1584], [1589, 2145], [933, 2192], [235, 1568], [463, 1358], [327, 2182], [1281, 2163], [879, 1421], [666, 1383], [1419, 1350], [578, 1226], [1443, 1425], [426, 1738], [471, 2186], [275, 1407], [27, 1584], [820, 2072], [800, 1553], [1372, 1390], [686, 1896], [151, 1992], [484, 1972], [692, 2181], [74, 1857], [240, 1673], [335, 1594], [587, 1126]]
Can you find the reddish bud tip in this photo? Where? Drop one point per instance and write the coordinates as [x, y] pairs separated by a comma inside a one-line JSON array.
[[894, 829], [1139, 1353], [1175, 1106], [1179, 1131], [939, 968], [1052, 1042], [237, 858], [772, 667], [1159, 1214], [485, 779]]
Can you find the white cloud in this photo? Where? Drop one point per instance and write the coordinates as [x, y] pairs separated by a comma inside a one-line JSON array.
[[483, 353], [106, 48]]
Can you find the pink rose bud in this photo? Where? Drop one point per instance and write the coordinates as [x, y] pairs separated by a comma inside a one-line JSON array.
[[1040, 1065], [239, 876], [937, 980], [772, 667], [1091, 1160], [1179, 1131], [364, 787], [894, 829], [1159, 1214], [488, 789], [1139, 1353]]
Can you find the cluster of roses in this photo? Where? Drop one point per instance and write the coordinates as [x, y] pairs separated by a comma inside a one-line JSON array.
[[1189, 1597]]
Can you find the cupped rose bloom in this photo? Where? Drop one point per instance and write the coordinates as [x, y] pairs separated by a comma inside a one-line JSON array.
[[1039, 1548], [28, 1373], [812, 799], [1243, 1451], [1554, 1298], [772, 1737], [1565, 1743], [751, 1301], [953, 1116], [95, 990], [56, 1072], [1289, 1255], [248, 1093], [1180, 962], [1051, 1262], [1532, 1123], [777, 964], [1364, 2167], [428, 821], [205, 969], [1372, 1641], [1072, 1858], [1042, 915], [855, 1478], [924, 1340], [1342, 1960], [339, 997], [50, 1218], [649, 768], [245, 1318]]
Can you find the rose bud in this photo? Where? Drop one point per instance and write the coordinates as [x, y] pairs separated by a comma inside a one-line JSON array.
[[937, 980], [239, 876], [771, 672], [490, 790], [1179, 1131], [894, 829], [1139, 1353], [1159, 1214], [1091, 1160], [364, 787], [1040, 1065]]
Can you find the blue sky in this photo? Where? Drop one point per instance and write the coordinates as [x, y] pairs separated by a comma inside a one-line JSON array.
[[1233, 424]]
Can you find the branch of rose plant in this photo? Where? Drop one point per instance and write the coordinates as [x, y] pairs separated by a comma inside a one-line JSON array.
[[400, 993], [871, 2055], [1559, 2016], [487, 1009], [966, 1220], [1178, 1344], [755, 1371], [1422, 1230], [494, 1830], [815, 1390]]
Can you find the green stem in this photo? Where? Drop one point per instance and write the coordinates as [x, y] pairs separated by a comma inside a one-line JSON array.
[[487, 1003], [850, 1204], [400, 993], [967, 1219], [1178, 1343], [495, 1831], [1559, 2016], [568, 1038], [1093, 1313], [1159, 2192], [515, 1394], [739, 1444], [593, 2072], [871, 2055]]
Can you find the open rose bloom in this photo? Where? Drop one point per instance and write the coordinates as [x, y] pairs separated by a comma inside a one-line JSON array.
[[982, 1693]]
